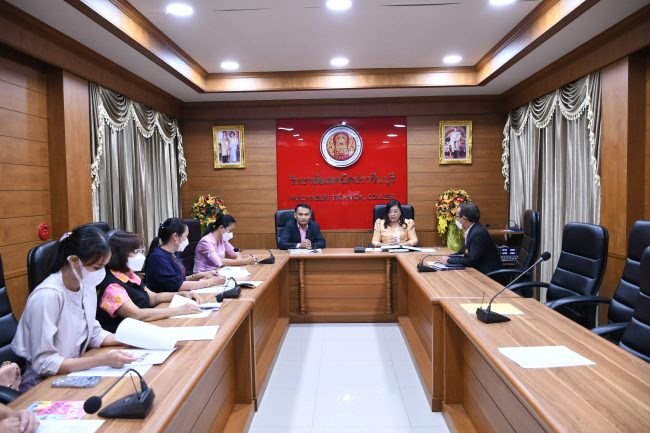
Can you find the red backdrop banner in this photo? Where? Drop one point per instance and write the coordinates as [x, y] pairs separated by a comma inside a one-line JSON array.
[[342, 197]]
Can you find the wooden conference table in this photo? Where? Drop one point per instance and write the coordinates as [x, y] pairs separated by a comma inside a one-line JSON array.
[[216, 386]]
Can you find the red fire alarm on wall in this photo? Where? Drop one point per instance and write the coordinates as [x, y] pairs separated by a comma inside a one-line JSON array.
[[44, 231]]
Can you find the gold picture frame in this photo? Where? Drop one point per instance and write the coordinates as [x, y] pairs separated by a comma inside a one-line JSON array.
[[455, 142], [228, 146]]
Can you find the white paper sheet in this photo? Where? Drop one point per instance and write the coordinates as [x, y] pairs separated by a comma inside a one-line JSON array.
[[178, 300], [212, 290], [70, 426], [236, 272], [373, 250], [304, 251], [429, 250], [148, 357], [144, 335], [106, 371], [192, 333], [544, 356]]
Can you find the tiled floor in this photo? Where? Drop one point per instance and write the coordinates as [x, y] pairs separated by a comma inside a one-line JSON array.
[[345, 378]]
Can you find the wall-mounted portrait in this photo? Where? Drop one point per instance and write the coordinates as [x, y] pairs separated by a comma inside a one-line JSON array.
[[228, 144], [455, 142]]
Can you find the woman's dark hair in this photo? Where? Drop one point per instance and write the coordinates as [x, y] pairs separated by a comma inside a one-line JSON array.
[[122, 244], [389, 205], [165, 232], [86, 242], [222, 220]]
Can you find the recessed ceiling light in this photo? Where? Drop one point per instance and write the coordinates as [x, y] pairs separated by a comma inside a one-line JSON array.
[[338, 5], [229, 65], [385, 142], [179, 10], [452, 58], [344, 123], [285, 129], [339, 61], [398, 125], [296, 135], [391, 135], [300, 139], [501, 2]]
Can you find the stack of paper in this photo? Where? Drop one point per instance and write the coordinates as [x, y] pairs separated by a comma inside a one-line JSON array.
[[70, 426], [544, 356], [236, 272], [304, 251], [106, 371], [144, 335], [178, 300]]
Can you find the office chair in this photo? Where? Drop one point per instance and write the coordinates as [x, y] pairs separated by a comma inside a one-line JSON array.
[[39, 260], [378, 212], [8, 326], [194, 236], [528, 252], [282, 216], [579, 272]]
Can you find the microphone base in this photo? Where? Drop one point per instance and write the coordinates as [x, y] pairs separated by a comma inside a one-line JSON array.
[[359, 249], [488, 316], [130, 407], [267, 261], [425, 268]]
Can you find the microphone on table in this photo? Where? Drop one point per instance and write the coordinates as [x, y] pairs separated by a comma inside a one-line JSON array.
[[426, 268], [133, 406], [362, 247], [486, 315], [231, 293], [269, 260]]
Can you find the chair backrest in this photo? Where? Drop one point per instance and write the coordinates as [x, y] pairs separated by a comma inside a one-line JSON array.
[[282, 216], [194, 227], [529, 250], [582, 261], [627, 291], [39, 260], [636, 337], [194, 236], [378, 212], [8, 323]]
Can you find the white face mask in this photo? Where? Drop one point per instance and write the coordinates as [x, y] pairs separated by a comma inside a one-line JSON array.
[[227, 236], [183, 245], [136, 262], [459, 225], [88, 278]]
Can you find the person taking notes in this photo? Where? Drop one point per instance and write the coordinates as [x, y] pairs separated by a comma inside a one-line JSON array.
[[214, 249], [393, 229]]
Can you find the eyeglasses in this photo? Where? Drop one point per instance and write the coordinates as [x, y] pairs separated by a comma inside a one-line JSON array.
[[139, 251]]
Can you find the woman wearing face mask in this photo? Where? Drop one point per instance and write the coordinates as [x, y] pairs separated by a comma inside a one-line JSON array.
[[164, 272], [393, 229], [122, 293], [58, 323], [214, 249]]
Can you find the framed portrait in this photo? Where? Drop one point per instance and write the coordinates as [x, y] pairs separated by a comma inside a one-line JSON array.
[[228, 145], [455, 142]]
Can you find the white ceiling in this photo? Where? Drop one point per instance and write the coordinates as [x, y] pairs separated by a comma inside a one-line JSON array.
[[294, 35]]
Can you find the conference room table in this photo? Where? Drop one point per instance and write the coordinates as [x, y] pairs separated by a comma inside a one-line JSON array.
[[216, 386]]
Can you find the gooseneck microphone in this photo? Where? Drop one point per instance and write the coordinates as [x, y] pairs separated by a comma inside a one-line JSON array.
[[486, 315], [425, 268], [133, 406], [362, 248], [269, 260], [229, 292]]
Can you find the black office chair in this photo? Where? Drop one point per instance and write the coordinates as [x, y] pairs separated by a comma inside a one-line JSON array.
[[528, 252], [8, 325], [579, 272], [636, 336], [39, 261], [378, 212], [194, 236], [621, 307], [282, 216]]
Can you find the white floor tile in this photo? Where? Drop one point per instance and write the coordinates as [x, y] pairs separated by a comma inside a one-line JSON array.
[[398, 349], [359, 407], [286, 408], [355, 350], [436, 429], [407, 376], [391, 330], [300, 350], [376, 429], [351, 331], [263, 429], [418, 409], [301, 331], [342, 375], [295, 374]]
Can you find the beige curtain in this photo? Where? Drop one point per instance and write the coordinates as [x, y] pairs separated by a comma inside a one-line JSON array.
[[551, 160], [138, 163]]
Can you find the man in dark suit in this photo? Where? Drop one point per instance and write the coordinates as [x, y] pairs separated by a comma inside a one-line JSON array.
[[479, 250], [301, 232]]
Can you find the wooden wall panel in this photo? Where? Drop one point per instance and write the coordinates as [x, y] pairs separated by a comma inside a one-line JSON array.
[[24, 169], [251, 196]]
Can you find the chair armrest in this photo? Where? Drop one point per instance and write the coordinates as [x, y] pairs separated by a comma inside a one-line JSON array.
[[576, 300], [7, 395], [611, 331], [517, 288]]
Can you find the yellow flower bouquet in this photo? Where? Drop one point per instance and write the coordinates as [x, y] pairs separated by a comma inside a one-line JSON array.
[[207, 208], [446, 206]]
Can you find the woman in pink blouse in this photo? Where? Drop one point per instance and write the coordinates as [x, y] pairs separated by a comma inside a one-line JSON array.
[[214, 249]]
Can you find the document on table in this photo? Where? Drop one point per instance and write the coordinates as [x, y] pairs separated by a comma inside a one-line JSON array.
[[212, 290], [107, 371], [70, 426], [501, 308], [148, 357], [429, 250], [144, 335], [544, 356], [236, 272], [373, 250], [178, 300], [304, 251], [192, 333]]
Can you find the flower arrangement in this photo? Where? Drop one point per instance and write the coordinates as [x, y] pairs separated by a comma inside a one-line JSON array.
[[207, 208], [446, 206]]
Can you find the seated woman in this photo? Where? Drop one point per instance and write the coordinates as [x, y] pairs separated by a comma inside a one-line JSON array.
[[393, 229], [58, 324], [164, 272], [122, 293], [17, 421], [214, 249]]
